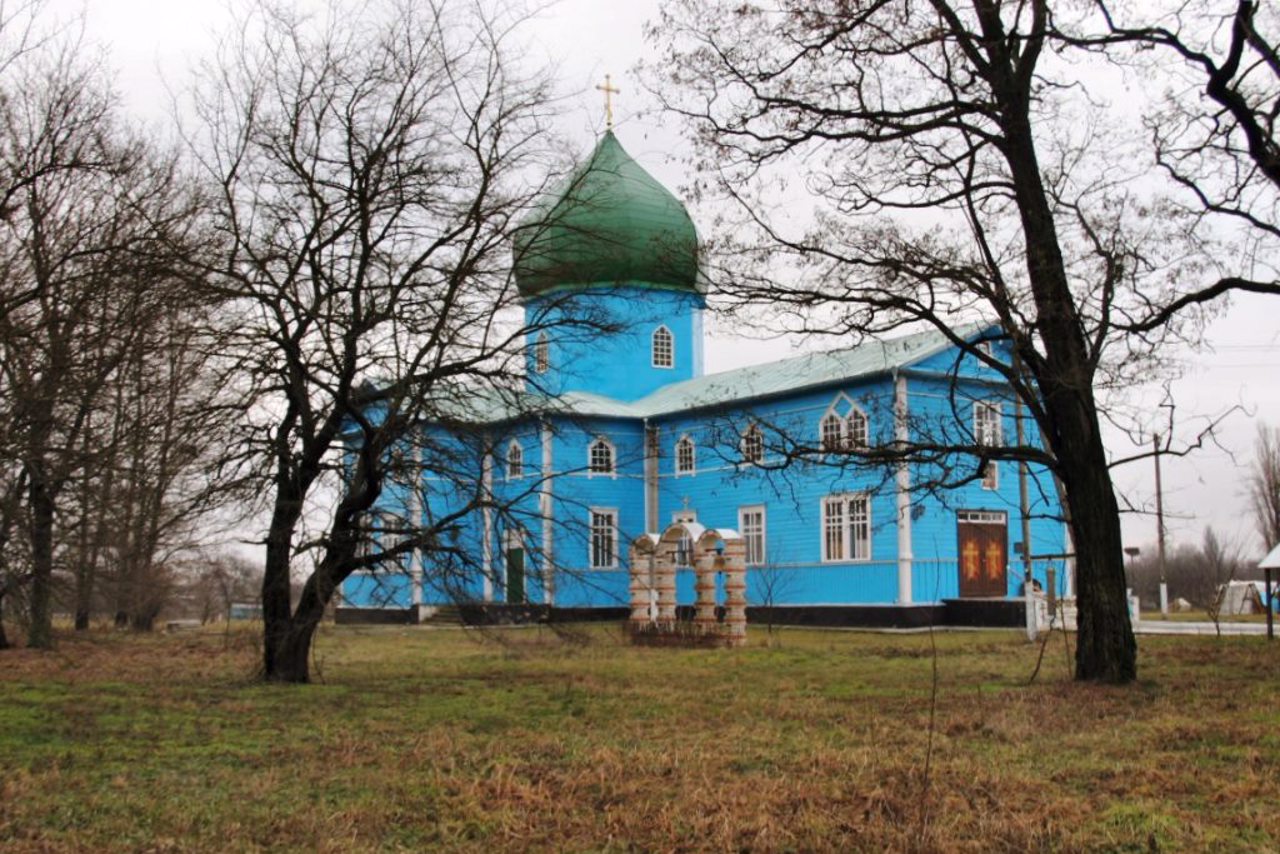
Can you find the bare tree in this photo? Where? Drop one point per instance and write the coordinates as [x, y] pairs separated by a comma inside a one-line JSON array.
[[1264, 485], [772, 583], [219, 580], [1214, 134], [370, 169], [95, 218], [1221, 565]]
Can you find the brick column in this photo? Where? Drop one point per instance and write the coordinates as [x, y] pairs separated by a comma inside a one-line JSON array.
[[704, 587], [735, 593], [664, 574], [641, 563]]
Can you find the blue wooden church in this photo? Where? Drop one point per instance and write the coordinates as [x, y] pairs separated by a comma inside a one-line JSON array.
[[624, 433]]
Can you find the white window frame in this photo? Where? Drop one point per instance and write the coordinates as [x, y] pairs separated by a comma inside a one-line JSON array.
[[752, 436], [836, 426], [684, 547], [831, 423], [667, 348], [377, 538], [838, 528], [686, 441], [987, 423], [983, 517], [541, 354], [516, 450], [592, 471], [852, 439], [754, 556], [594, 514]]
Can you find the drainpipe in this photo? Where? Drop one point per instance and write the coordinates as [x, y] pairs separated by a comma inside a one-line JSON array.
[[650, 477], [901, 435]]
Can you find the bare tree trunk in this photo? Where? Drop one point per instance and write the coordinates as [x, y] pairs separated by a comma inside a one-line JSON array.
[[86, 548], [1105, 646], [40, 635], [291, 658], [280, 647], [293, 653]]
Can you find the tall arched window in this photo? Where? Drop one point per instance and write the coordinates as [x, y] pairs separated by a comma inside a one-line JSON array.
[[832, 432], [600, 457], [753, 444], [858, 428], [685, 459], [542, 354], [515, 460], [664, 348]]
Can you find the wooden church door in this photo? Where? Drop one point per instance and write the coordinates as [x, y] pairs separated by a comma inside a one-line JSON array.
[[983, 541]]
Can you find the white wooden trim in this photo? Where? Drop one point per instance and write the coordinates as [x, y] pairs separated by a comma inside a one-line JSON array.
[[486, 548], [548, 519], [902, 436]]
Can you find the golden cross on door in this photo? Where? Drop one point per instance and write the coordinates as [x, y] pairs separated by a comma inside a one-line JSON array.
[[609, 90]]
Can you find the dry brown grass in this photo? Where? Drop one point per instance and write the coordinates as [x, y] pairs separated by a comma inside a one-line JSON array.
[[526, 741]]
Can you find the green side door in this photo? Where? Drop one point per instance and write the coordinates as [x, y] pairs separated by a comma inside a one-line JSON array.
[[515, 576]]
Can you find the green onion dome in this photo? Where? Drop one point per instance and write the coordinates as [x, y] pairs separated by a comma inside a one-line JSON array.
[[611, 223]]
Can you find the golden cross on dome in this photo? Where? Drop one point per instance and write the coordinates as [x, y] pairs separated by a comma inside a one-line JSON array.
[[609, 90]]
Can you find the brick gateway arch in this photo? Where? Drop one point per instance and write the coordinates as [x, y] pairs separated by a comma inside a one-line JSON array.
[[653, 559]]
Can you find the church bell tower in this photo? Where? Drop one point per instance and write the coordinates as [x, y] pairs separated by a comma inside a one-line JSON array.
[[608, 269]]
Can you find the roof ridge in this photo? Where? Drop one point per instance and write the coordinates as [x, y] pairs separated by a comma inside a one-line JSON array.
[[653, 401]]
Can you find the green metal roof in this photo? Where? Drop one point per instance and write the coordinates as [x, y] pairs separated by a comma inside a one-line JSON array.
[[813, 370], [611, 223]]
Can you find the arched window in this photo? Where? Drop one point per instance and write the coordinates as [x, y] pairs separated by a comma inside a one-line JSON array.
[[753, 444], [857, 428], [515, 460], [542, 354], [664, 352], [844, 426], [685, 459], [832, 432], [600, 457]]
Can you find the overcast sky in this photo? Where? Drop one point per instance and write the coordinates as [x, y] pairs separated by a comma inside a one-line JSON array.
[[153, 42]]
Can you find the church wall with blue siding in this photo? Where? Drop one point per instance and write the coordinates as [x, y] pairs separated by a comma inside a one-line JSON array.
[[623, 370], [614, 388]]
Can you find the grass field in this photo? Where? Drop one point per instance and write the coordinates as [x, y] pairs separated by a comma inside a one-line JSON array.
[[527, 740]]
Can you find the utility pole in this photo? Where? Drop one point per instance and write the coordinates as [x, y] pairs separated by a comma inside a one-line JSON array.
[[1164, 588]]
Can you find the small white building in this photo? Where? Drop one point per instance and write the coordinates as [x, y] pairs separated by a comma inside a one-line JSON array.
[[1242, 597]]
